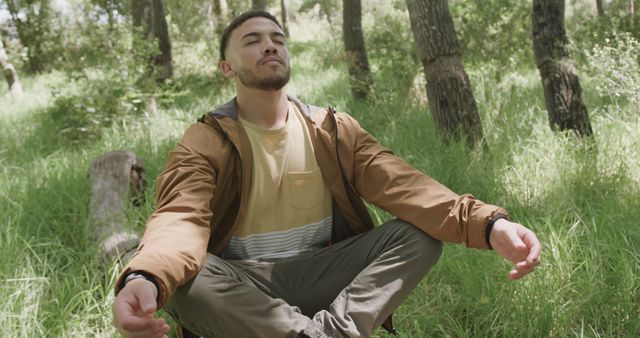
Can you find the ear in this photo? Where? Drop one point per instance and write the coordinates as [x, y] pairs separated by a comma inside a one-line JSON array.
[[227, 69]]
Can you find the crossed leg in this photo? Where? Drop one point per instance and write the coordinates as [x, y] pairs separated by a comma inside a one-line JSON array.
[[345, 290]]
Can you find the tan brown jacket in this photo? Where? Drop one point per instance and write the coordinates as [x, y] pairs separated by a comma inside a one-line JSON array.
[[205, 185]]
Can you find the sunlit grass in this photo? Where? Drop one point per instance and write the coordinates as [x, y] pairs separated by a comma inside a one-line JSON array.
[[582, 199]]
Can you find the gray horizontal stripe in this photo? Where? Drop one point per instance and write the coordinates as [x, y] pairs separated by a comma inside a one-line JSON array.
[[293, 237], [283, 236], [280, 243], [309, 237]]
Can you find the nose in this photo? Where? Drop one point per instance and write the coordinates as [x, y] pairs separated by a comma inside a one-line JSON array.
[[269, 47]]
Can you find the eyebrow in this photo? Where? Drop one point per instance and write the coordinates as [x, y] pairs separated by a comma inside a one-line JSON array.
[[256, 34]]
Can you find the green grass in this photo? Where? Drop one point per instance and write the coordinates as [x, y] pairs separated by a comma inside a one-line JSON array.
[[582, 199]]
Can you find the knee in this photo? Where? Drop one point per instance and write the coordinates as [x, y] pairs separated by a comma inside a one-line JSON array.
[[196, 303], [426, 248]]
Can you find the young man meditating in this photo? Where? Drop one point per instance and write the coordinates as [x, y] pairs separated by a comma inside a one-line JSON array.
[[261, 230]]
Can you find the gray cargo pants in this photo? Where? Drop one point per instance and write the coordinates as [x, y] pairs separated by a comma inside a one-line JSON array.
[[345, 290]]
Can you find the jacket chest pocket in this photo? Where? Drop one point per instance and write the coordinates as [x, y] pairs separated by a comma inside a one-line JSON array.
[[306, 188]]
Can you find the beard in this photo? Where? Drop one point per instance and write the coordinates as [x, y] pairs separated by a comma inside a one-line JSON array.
[[272, 82]]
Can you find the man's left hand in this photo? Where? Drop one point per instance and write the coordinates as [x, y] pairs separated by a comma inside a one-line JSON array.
[[517, 244]]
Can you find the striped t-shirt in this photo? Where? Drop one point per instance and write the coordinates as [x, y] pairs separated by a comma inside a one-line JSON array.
[[289, 208]]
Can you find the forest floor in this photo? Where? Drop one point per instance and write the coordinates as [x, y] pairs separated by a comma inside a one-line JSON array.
[[582, 198]]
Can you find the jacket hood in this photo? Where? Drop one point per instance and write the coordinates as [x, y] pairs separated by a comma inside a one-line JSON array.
[[230, 108]]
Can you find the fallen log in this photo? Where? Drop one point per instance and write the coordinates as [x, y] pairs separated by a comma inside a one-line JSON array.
[[117, 180]]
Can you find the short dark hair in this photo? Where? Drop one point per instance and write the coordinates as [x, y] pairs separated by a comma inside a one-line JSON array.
[[239, 20]]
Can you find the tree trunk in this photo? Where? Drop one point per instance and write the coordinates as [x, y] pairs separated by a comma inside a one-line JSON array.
[[449, 92], [117, 179], [356, 53], [259, 4], [221, 9], [10, 73], [632, 8], [285, 16], [162, 61], [149, 18], [600, 7], [31, 23], [562, 91]]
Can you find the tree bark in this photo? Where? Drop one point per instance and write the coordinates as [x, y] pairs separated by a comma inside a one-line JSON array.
[[600, 7], [562, 90], [259, 4], [117, 179], [10, 73], [356, 53], [162, 61], [285, 16], [449, 91], [31, 23], [221, 9], [149, 18]]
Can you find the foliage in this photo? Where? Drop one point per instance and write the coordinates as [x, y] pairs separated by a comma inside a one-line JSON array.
[[183, 16], [38, 30], [391, 50], [327, 7], [587, 30], [493, 29], [615, 68]]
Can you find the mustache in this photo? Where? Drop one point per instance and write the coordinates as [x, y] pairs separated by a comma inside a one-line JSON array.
[[268, 58]]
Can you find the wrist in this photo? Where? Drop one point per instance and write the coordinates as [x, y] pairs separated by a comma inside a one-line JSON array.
[[497, 218], [137, 276]]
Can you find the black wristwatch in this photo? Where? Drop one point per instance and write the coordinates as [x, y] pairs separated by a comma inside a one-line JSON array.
[[140, 274], [492, 222]]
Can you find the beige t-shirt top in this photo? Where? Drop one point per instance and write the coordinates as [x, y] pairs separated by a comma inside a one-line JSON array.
[[289, 208]]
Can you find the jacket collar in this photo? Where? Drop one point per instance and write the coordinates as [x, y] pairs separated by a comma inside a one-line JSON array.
[[230, 109]]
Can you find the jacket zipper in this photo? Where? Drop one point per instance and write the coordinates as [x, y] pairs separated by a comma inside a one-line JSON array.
[[345, 182]]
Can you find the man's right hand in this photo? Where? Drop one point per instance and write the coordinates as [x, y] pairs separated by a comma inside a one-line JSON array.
[[133, 311]]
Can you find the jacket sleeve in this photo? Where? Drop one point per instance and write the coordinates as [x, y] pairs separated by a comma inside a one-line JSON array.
[[388, 182], [173, 247]]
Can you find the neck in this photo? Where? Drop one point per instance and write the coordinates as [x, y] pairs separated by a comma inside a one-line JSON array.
[[267, 109]]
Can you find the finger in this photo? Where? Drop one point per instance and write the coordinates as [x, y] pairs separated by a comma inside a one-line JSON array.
[[519, 251], [136, 323], [161, 331], [514, 275], [525, 270], [124, 314], [522, 269], [156, 328], [535, 248], [527, 264]]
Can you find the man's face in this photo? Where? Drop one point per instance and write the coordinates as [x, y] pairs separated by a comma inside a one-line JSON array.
[[257, 53]]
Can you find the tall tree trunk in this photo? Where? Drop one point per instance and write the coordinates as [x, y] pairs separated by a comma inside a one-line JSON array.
[[632, 7], [164, 60], [562, 91], [259, 4], [150, 21], [600, 7], [31, 23], [356, 53], [221, 9], [285, 16], [449, 92], [10, 73]]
